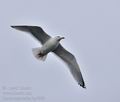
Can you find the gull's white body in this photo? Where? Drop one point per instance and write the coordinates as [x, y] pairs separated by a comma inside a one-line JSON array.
[[49, 46]]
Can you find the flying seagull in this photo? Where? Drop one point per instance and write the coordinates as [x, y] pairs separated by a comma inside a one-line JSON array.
[[52, 44]]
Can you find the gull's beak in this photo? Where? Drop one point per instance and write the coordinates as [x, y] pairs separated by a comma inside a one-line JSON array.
[[62, 38]]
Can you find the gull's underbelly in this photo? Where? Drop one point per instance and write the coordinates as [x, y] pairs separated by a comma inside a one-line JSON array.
[[49, 46]]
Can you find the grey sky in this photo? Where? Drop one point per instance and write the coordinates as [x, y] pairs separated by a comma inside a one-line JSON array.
[[92, 32]]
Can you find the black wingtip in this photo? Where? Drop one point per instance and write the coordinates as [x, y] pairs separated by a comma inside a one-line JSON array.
[[12, 26], [83, 85], [15, 26]]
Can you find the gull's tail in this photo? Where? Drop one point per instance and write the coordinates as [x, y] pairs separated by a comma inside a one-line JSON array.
[[38, 55]]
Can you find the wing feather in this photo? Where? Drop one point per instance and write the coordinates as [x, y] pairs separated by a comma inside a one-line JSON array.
[[36, 31], [70, 60]]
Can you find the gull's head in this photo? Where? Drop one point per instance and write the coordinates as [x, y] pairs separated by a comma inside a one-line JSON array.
[[59, 38]]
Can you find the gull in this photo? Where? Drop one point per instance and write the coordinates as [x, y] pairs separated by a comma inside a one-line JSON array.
[[52, 44]]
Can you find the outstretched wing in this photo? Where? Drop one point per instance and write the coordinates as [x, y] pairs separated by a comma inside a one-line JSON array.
[[71, 62], [36, 31]]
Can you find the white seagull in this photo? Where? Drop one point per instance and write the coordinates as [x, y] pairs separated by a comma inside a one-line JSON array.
[[53, 45]]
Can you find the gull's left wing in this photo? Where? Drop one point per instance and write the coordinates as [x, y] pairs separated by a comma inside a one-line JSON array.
[[70, 60], [36, 31]]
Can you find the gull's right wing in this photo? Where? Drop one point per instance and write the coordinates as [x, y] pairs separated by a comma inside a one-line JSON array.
[[36, 31], [70, 60]]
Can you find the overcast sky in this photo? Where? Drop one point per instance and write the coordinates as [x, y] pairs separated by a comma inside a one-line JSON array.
[[92, 32]]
